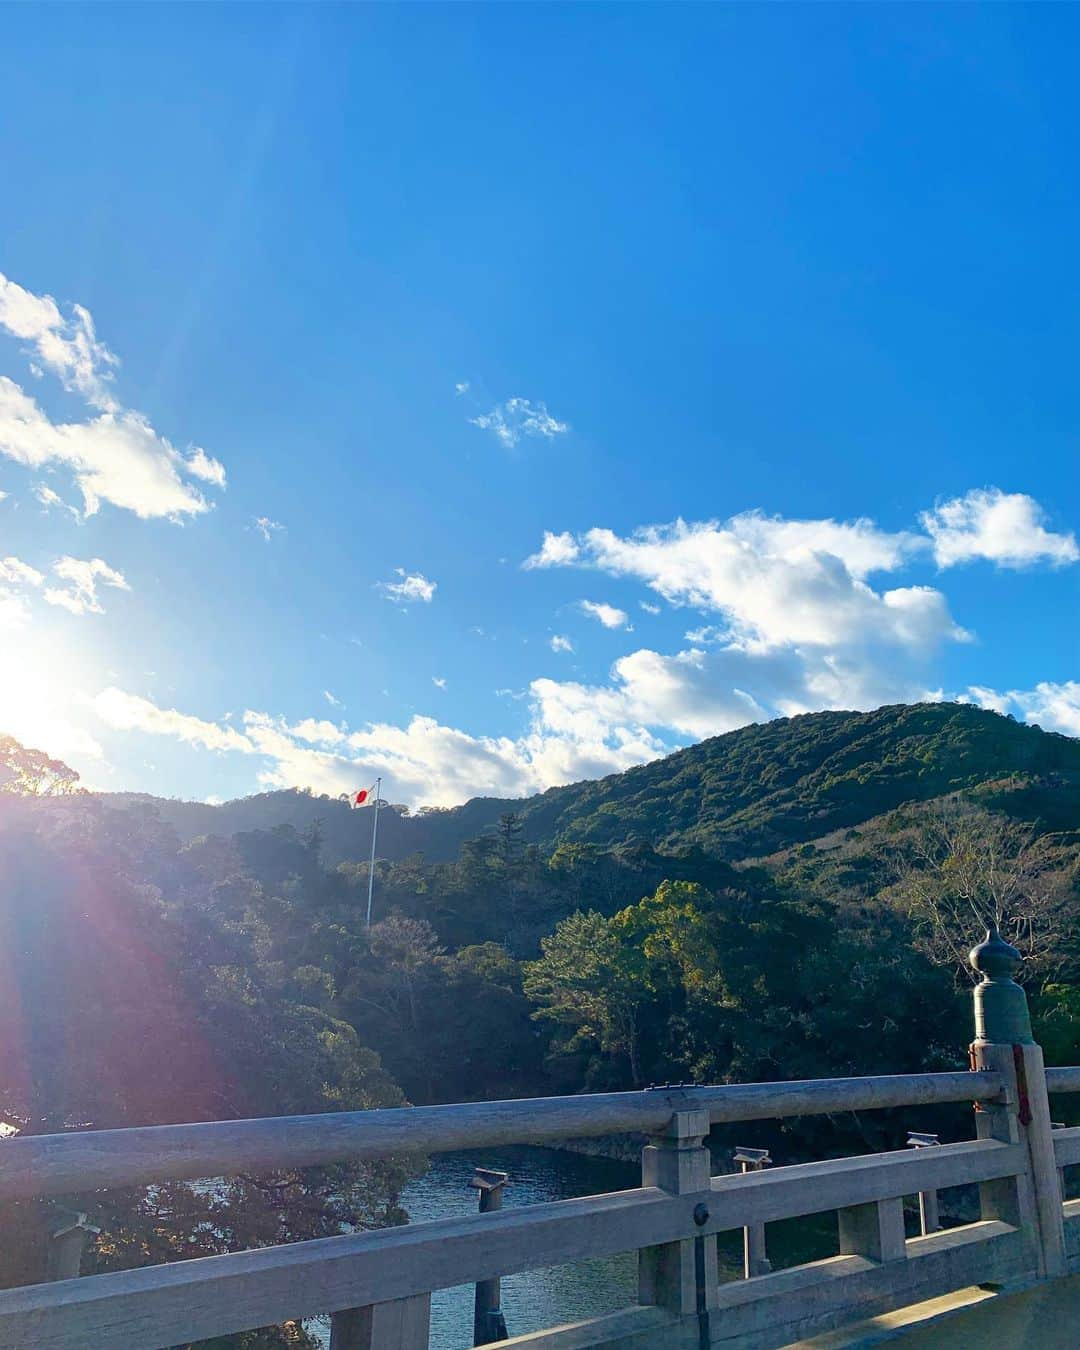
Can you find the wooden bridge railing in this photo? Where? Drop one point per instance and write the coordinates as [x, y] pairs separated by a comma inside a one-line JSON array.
[[377, 1285]]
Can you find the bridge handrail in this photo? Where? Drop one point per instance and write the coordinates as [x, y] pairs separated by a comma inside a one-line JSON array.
[[166, 1305], [1063, 1080], [80, 1161]]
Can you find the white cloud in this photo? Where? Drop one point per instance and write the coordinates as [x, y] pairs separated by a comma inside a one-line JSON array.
[[608, 615], [412, 587], [424, 762], [462, 387], [798, 627], [1004, 527], [79, 595], [15, 570], [561, 644], [780, 583], [987, 698], [69, 347], [116, 456], [519, 417], [15, 576], [316, 731], [267, 527], [83, 575], [438, 681], [199, 463], [557, 550], [129, 712], [49, 499], [334, 702], [649, 607], [1054, 707]]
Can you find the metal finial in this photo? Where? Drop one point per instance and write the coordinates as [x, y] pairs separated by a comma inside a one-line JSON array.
[[1001, 1008]]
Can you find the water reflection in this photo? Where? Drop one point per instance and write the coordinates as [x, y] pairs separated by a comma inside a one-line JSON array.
[[535, 1298]]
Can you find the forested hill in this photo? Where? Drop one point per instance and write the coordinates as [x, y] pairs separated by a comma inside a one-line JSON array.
[[747, 793]]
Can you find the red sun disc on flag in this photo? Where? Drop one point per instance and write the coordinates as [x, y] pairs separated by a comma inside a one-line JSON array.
[[361, 797]]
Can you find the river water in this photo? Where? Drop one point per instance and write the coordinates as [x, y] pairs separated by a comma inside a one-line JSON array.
[[536, 1299]]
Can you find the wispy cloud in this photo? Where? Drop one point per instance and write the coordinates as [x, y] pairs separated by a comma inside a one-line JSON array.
[[412, 588], [334, 702], [561, 644], [15, 577], [15, 570], [67, 346], [608, 615], [267, 527], [52, 500], [518, 417], [708, 632], [83, 575], [116, 456], [129, 712], [78, 594], [438, 681]]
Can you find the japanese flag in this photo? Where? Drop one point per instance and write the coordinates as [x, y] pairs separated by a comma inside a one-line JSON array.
[[365, 797]]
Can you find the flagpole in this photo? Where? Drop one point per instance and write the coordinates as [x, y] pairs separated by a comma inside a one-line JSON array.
[[371, 865]]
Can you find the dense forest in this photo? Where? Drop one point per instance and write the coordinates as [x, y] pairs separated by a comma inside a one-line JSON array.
[[791, 900]]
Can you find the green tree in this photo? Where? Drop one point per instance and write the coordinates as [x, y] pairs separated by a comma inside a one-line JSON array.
[[593, 977], [26, 772]]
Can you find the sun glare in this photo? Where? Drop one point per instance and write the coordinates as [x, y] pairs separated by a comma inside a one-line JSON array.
[[43, 699]]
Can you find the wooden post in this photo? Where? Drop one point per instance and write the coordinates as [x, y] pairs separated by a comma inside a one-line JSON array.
[[1004, 1043], [929, 1221], [400, 1324], [1060, 1125], [680, 1276], [489, 1324], [755, 1261], [874, 1230]]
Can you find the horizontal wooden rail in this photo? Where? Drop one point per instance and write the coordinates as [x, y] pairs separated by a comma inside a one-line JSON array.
[[190, 1300], [804, 1300], [813, 1188], [1063, 1080], [63, 1164], [1066, 1146]]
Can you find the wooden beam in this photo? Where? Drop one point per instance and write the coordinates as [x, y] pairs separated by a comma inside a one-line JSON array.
[[68, 1164], [815, 1188], [1063, 1080], [1067, 1146], [404, 1324]]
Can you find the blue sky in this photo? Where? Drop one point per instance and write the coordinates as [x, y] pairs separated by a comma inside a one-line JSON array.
[[417, 287]]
